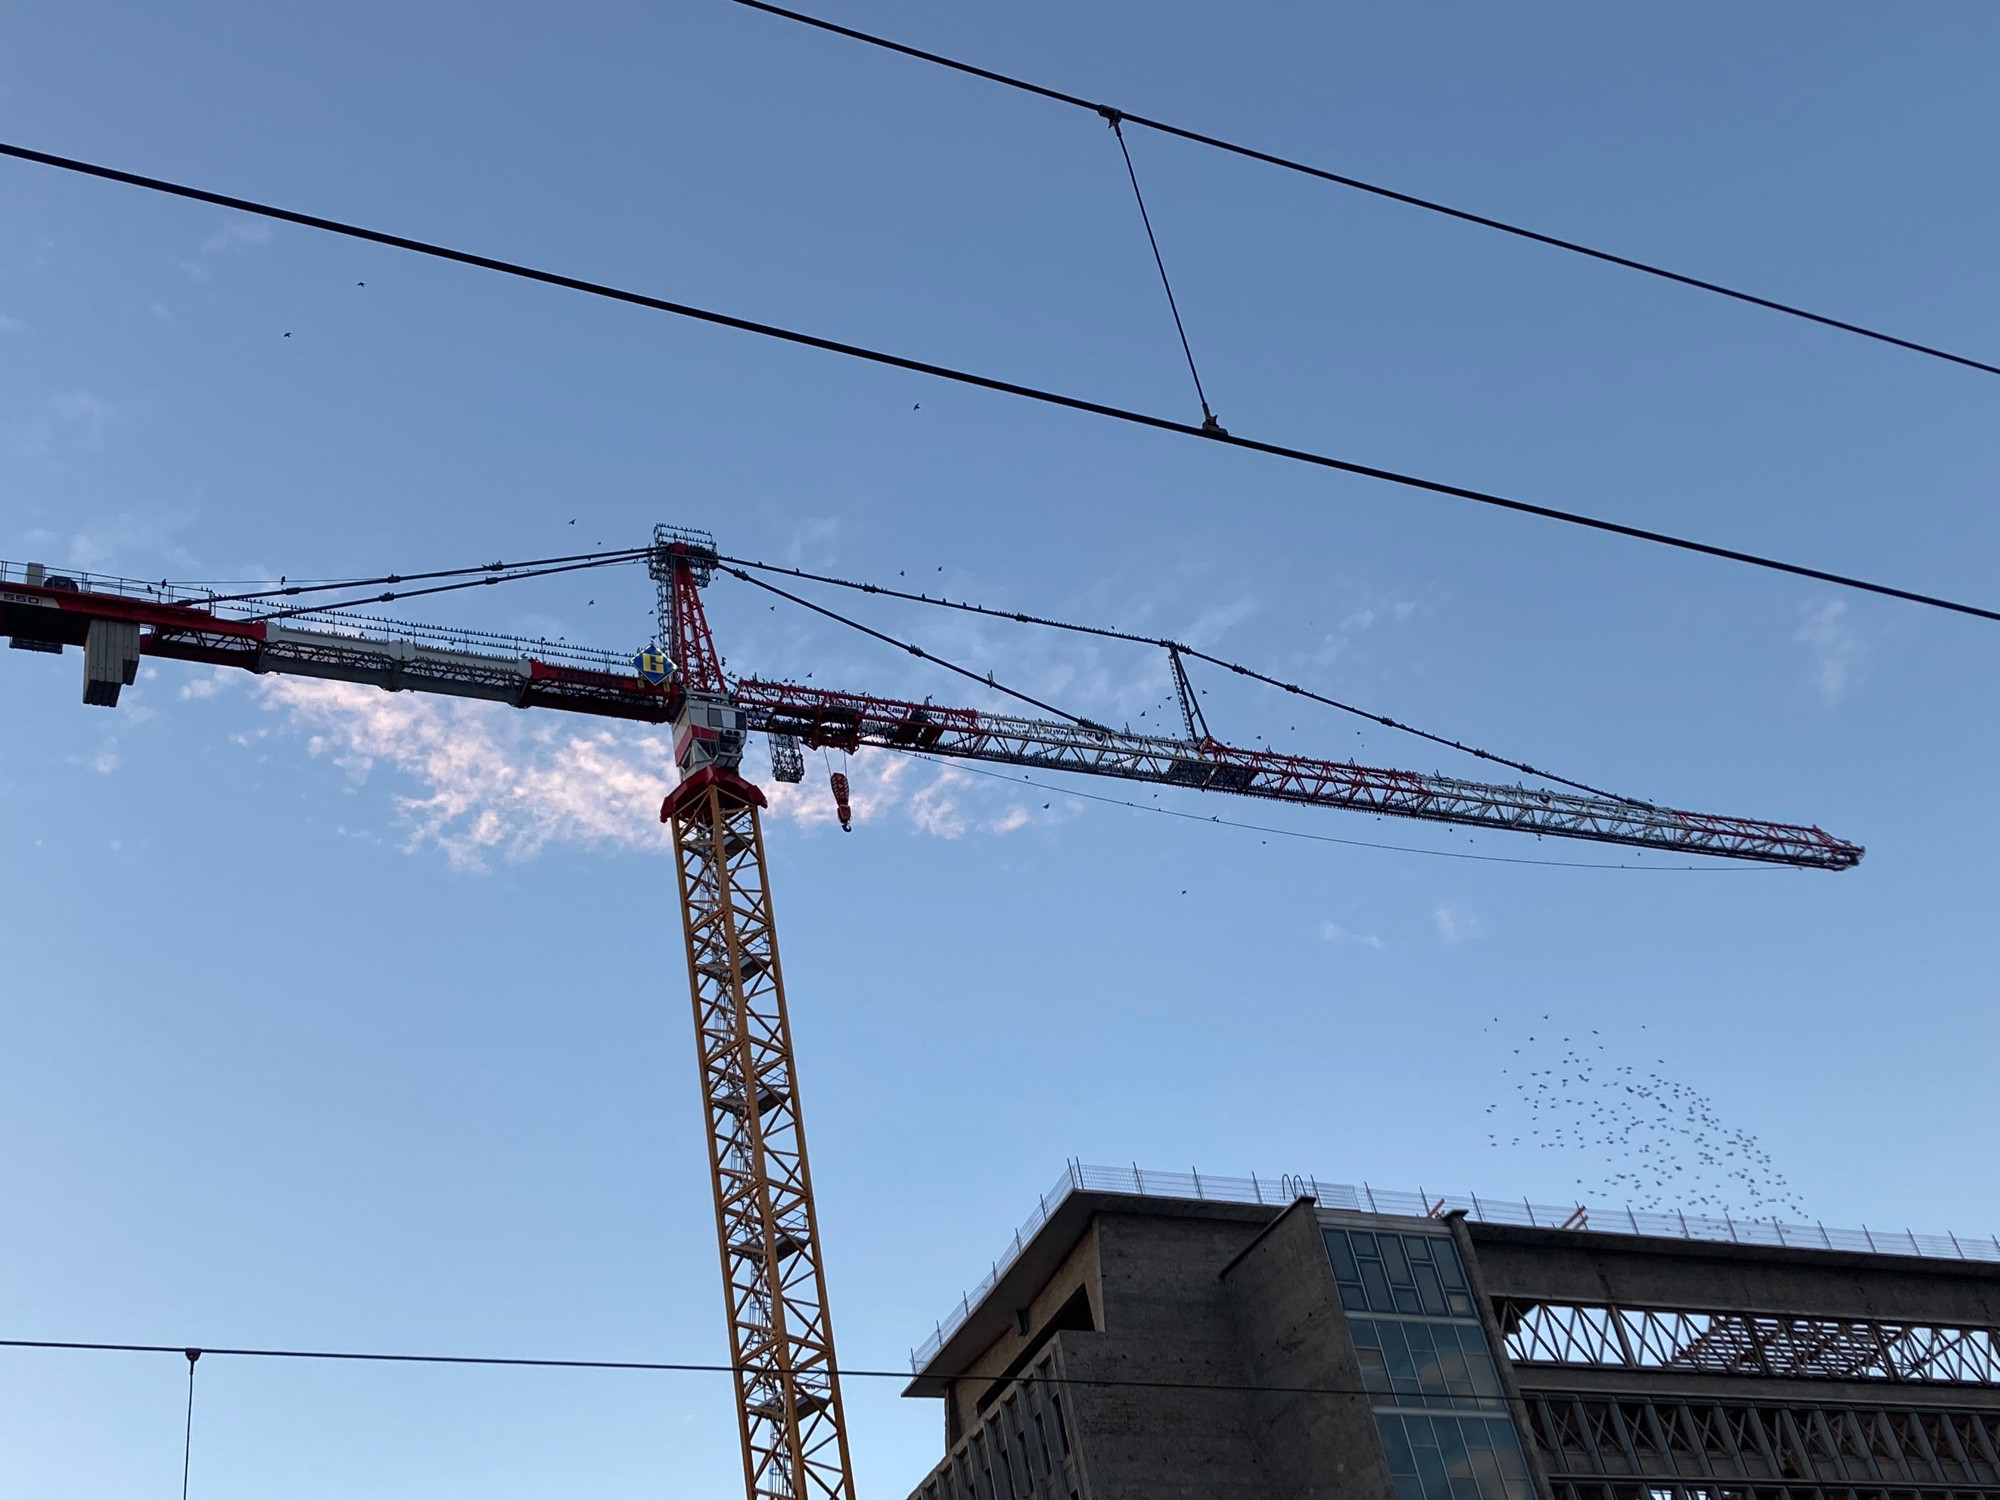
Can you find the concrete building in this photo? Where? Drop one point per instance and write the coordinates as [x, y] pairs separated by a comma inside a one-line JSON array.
[[1154, 1336]]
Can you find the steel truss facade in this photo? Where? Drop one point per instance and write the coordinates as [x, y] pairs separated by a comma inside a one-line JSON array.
[[793, 1429], [848, 720], [1593, 1448], [1729, 1343]]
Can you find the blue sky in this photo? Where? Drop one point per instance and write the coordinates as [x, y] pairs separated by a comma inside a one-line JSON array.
[[350, 1020]]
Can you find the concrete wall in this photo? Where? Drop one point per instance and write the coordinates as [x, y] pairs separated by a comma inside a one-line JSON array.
[[1167, 1322], [1317, 1445]]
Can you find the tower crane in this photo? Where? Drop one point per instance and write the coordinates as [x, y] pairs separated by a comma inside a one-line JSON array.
[[788, 1400]]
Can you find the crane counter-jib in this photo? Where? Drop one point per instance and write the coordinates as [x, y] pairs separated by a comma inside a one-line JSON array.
[[117, 621]]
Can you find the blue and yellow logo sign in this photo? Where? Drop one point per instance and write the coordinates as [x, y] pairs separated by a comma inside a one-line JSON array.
[[654, 666]]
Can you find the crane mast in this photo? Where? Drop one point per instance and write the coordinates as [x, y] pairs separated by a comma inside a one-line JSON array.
[[788, 1406]]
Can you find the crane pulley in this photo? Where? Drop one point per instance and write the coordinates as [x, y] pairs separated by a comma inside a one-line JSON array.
[[788, 1399]]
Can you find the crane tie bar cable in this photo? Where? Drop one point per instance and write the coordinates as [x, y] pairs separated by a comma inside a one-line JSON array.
[[1167, 644], [983, 382], [638, 555], [1411, 200], [919, 651], [293, 590]]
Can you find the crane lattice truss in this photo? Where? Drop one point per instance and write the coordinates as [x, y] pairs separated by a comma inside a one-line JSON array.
[[781, 1334], [780, 1331]]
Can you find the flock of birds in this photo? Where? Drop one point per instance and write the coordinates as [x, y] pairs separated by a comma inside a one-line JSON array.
[[1650, 1141]]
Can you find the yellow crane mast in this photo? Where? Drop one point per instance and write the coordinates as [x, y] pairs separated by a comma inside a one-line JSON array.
[[788, 1407]]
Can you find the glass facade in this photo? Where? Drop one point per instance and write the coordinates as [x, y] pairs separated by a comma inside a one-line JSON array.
[[1439, 1406]]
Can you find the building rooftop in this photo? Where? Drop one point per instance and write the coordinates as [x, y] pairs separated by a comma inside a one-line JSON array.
[[1075, 1195]]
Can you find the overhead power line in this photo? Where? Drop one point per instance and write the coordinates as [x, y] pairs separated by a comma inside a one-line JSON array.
[[660, 1366], [983, 382], [1429, 205]]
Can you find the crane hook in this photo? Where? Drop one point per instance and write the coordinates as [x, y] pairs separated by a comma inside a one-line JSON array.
[[838, 781]]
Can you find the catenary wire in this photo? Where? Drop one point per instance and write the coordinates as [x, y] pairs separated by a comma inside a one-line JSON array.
[[1112, 117], [187, 1431], [983, 382], [1327, 838], [918, 651], [1186, 650], [1409, 199]]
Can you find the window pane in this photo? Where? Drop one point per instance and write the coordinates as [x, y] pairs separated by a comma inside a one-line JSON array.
[[1451, 1373], [1492, 1485], [1353, 1298], [1378, 1286], [1374, 1370], [1445, 1254], [1395, 1445], [1342, 1255], [1402, 1372], [1392, 1257], [1451, 1448], [1429, 1289]]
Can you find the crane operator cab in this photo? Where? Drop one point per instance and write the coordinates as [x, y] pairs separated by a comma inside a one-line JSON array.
[[708, 731]]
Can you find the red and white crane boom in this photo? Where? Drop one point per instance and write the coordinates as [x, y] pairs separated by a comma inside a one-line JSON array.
[[541, 674]]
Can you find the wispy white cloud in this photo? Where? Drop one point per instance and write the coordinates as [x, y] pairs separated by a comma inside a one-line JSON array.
[[1457, 924], [244, 234], [1838, 654], [238, 238], [491, 786], [1333, 932], [128, 539], [490, 783], [60, 425]]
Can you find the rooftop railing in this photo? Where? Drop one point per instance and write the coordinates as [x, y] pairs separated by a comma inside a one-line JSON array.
[[1281, 1190]]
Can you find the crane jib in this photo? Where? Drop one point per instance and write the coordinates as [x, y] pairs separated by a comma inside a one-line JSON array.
[[820, 716], [53, 612]]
